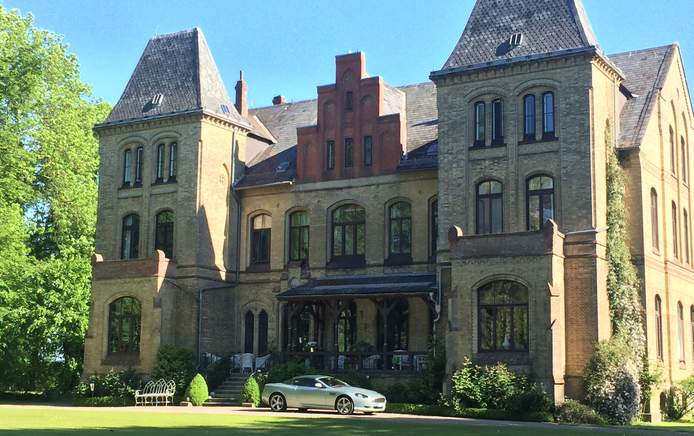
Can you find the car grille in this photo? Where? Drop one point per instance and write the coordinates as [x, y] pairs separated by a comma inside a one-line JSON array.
[[380, 400]]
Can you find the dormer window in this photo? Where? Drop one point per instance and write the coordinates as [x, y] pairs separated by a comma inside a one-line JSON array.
[[515, 40], [157, 99]]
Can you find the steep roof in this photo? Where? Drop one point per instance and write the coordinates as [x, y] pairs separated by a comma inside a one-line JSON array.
[[547, 27], [180, 67], [645, 71]]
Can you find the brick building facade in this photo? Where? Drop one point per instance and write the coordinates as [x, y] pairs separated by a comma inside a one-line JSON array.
[[351, 229]]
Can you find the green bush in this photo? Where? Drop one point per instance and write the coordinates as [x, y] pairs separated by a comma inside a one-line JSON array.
[[419, 409], [284, 371], [504, 415], [217, 372], [105, 401], [116, 384], [177, 364], [496, 387], [197, 391], [573, 412], [679, 399], [611, 382], [251, 392]]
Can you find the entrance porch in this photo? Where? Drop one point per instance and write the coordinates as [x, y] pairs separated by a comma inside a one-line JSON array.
[[370, 323]]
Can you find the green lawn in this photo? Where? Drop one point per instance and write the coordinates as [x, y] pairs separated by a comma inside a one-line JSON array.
[[70, 422]]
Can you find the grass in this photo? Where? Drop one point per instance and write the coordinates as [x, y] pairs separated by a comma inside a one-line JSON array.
[[70, 422]]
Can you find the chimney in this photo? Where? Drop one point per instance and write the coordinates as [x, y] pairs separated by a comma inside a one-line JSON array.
[[241, 100], [278, 99]]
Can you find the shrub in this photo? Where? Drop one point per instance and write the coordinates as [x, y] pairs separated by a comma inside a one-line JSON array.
[[497, 386], [530, 397], [251, 392], [285, 371], [105, 401], [419, 409], [177, 364], [679, 399], [612, 382], [465, 388], [197, 391], [573, 412], [217, 372], [116, 384]]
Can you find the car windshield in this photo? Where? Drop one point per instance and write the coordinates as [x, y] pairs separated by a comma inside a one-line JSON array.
[[333, 382]]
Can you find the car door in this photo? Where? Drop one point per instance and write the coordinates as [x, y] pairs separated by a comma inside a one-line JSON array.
[[305, 392], [291, 393], [327, 396]]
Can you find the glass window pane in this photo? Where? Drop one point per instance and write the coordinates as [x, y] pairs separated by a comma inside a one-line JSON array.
[[496, 216], [520, 328], [349, 239], [361, 241], [406, 239], [503, 328], [337, 240], [486, 326], [395, 236]]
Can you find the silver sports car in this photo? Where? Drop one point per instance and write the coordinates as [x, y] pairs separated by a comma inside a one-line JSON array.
[[322, 392]]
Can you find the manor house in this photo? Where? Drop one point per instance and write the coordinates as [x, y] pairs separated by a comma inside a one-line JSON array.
[[351, 229]]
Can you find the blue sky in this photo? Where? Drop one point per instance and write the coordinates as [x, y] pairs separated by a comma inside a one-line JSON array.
[[288, 46]]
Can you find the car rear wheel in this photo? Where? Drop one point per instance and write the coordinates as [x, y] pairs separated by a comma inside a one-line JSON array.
[[344, 406], [278, 403]]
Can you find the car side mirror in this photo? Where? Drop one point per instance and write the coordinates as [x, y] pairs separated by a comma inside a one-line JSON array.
[[318, 385]]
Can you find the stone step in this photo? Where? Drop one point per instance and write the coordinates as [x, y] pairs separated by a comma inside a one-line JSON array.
[[209, 403], [219, 393]]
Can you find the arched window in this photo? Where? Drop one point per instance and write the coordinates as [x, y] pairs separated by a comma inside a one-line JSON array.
[[659, 327], [248, 332], [139, 156], [529, 118], [675, 232], [124, 326], [502, 310], [680, 330], [130, 237], [480, 124], [164, 233], [161, 151], [434, 229], [346, 328], [548, 128], [127, 167], [540, 197], [398, 321], [685, 160], [497, 122], [261, 228], [489, 207], [298, 236], [173, 158], [262, 333], [348, 238], [655, 237], [685, 235], [400, 237], [673, 152]]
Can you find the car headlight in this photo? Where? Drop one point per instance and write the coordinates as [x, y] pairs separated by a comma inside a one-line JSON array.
[[360, 395]]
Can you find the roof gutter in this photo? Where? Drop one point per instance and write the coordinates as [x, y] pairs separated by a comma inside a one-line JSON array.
[[197, 111], [244, 188]]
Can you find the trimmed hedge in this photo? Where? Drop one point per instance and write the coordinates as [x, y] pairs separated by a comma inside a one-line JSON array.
[[474, 413], [197, 391], [251, 392], [105, 401]]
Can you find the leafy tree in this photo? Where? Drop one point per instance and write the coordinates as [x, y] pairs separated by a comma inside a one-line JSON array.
[[48, 167]]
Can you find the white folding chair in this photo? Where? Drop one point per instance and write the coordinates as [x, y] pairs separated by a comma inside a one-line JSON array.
[[247, 363]]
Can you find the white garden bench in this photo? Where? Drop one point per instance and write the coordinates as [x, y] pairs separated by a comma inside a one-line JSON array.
[[156, 393]]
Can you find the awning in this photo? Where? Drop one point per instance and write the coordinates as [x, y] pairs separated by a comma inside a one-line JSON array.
[[364, 286]]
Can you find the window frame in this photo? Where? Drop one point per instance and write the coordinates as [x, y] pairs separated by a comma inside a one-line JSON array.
[[354, 226], [494, 308], [673, 153], [134, 323], [349, 101], [549, 134], [263, 327], [127, 167], [395, 224], [480, 125], [260, 241], [133, 250], [164, 233], [680, 333], [541, 193], [173, 162], [675, 231], [249, 332], [497, 122], [655, 225], [368, 150], [303, 230], [161, 162], [139, 161], [659, 328], [529, 118], [349, 152], [491, 197], [330, 154], [685, 160]]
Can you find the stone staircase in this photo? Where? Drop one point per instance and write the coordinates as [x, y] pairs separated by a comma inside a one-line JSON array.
[[229, 392]]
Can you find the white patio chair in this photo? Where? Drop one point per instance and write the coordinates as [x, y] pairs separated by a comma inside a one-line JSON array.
[[247, 363], [262, 362]]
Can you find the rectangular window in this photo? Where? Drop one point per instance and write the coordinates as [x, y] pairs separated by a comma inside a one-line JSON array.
[[655, 240], [138, 165], [348, 101], [330, 155], [127, 167], [675, 233], [529, 118], [349, 158], [368, 151], [480, 124], [497, 122], [548, 115], [160, 162], [172, 161]]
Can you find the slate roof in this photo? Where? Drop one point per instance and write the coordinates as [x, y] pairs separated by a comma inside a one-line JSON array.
[[364, 286], [181, 68], [548, 27], [645, 71]]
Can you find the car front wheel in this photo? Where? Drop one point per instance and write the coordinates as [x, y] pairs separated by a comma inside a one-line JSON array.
[[344, 406], [277, 403]]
